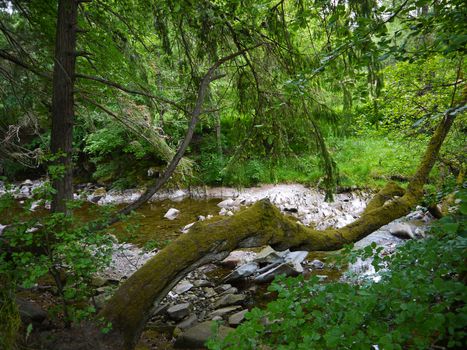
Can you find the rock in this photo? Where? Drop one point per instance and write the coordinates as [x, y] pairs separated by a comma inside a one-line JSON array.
[[172, 214], [186, 228], [224, 310], [217, 318], [223, 211], [317, 264], [229, 299], [242, 272], [267, 255], [98, 281], [35, 205], [226, 204], [201, 218], [296, 257], [182, 287], [97, 195], [401, 230], [285, 268], [209, 217], [322, 277], [179, 311], [188, 323], [202, 283], [100, 300], [26, 183], [238, 257], [30, 312], [231, 290], [197, 336], [161, 309], [229, 213], [2, 227], [237, 318], [223, 287], [209, 292]]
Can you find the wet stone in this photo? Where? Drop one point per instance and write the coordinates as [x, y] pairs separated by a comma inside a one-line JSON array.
[[237, 318], [179, 311], [230, 299]]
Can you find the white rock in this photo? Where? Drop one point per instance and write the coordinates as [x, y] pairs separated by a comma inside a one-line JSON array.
[[242, 272], [296, 257], [186, 228], [183, 287], [401, 230], [228, 203], [172, 214]]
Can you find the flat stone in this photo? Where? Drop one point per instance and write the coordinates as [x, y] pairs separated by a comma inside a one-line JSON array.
[[209, 292], [237, 318], [197, 336], [231, 290], [179, 311], [224, 310], [238, 257], [296, 257], [229, 299], [182, 287], [161, 309], [242, 272], [188, 323], [202, 283], [223, 287], [267, 255], [285, 268], [172, 214]]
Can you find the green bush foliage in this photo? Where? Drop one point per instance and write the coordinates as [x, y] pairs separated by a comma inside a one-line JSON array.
[[70, 252]]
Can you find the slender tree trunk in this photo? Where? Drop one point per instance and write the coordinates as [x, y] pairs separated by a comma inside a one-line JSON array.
[[219, 136], [63, 103]]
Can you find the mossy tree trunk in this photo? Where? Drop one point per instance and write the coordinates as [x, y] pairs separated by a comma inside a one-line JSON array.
[[262, 224]]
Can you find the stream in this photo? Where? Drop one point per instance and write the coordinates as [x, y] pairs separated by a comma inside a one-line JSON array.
[[205, 294]]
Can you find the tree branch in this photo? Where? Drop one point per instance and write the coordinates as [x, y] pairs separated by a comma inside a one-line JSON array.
[[130, 91]]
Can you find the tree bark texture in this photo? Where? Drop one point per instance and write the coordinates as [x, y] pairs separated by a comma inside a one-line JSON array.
[[262, 224], [63, 103]]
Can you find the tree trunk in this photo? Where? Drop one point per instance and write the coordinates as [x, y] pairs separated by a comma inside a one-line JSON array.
[[63, 103], [262, 224]]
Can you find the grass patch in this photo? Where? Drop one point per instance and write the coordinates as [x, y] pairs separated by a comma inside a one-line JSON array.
[[365, 162]]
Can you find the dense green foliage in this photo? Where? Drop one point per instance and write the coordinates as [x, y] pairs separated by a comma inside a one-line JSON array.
[[326, 70], [34, 246], [420, 302]]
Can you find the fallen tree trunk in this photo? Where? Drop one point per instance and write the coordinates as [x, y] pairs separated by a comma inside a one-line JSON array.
[[262, 224]]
